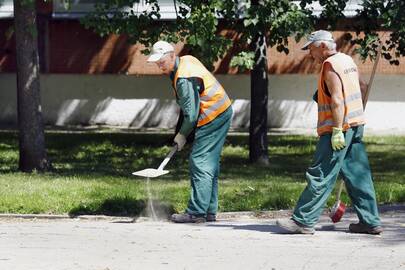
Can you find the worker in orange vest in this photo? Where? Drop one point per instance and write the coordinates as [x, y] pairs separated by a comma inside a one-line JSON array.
[[340, 149], [206, 108]]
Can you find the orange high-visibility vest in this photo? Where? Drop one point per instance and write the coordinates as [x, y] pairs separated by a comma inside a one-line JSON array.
[[213, 99], [347, 71]]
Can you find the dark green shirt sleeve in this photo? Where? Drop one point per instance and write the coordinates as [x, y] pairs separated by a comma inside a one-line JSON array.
[[188, 98]]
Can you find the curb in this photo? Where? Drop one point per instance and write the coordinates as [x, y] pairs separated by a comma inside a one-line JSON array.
[[222, 215], [62, 217], [255, 214]]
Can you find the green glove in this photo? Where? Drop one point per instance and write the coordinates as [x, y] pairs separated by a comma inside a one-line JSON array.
[[337, 139]]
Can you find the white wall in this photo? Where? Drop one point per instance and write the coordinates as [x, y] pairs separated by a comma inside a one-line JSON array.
[[148, 101]]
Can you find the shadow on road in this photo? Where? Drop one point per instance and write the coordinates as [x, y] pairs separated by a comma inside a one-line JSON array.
[[267, 228]]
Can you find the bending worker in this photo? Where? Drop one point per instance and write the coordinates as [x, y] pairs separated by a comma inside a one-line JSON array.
[[206, 107], [340, 149]]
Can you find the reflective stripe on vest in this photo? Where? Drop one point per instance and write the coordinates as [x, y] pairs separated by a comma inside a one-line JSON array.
[[346, 69], [213, 99], [326, 107], [207, 113], [212, 92], [345, 120]]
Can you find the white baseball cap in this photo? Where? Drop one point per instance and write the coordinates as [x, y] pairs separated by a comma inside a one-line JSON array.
[[159, 49], [320, 35]]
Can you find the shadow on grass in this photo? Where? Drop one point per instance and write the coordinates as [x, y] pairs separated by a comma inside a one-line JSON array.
[[123, 207], [119, 154], [385, 162], [280, 164]]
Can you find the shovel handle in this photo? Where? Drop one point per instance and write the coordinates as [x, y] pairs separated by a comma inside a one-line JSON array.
[[340, 190], [370, 82], [168, 157]]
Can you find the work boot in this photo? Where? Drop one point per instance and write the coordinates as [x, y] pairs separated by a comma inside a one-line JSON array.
[[211, 217], [187, 218], [294, 227], [363, 228]]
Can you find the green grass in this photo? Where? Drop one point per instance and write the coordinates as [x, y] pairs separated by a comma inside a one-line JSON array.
[[92, 174]]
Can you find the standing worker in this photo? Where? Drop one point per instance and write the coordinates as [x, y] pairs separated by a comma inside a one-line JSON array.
[[340, 148], [207, 108]]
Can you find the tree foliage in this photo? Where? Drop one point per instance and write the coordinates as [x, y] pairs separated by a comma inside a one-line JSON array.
[[388, 16], [197, 24], [374, 17], [123, 17], [276, 20]]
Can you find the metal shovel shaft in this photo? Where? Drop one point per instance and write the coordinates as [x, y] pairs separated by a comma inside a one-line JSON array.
[[167, 159]]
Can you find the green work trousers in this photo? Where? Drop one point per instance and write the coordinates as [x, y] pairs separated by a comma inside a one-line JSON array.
[[204, 164], [352, 163]]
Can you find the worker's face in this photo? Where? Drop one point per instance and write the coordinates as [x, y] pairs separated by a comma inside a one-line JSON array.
[[317, 52], [166, 63]]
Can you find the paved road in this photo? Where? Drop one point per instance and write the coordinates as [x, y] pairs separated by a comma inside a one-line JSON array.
[[240, 243]]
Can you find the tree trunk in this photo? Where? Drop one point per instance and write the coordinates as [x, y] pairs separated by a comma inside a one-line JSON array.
[[258, 144], [30, 123]]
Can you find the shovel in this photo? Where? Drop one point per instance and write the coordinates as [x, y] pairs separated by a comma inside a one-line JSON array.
[[152, 173]]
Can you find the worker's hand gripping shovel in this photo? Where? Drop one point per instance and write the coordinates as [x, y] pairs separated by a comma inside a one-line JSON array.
[[152, 173], [339, 208]]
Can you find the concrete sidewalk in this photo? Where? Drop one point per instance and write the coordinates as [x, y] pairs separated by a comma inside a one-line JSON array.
[[234, 243]]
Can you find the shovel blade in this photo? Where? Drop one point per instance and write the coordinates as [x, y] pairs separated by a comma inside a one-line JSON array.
[[150, 173]]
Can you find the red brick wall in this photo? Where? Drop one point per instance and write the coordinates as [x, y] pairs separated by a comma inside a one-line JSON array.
[[73, 49]]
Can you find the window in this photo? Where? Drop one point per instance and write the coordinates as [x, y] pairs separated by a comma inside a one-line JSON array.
[[73, 8], [79, 8], [6, 9]]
